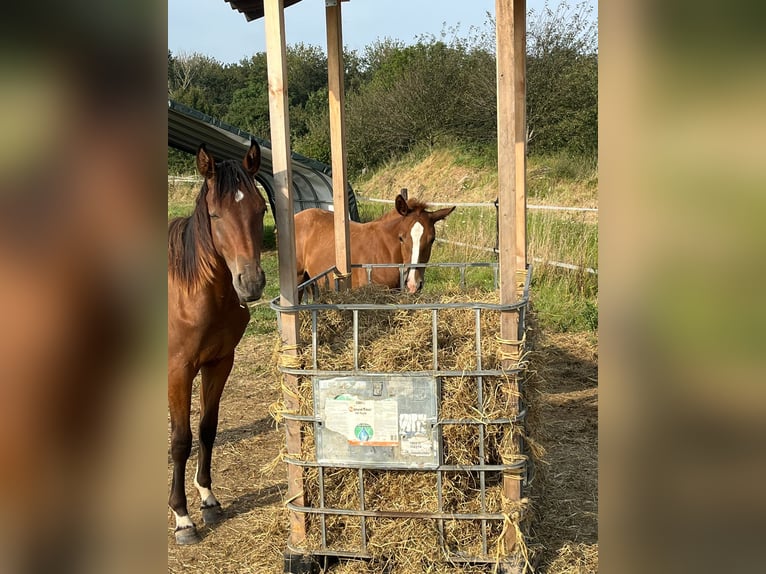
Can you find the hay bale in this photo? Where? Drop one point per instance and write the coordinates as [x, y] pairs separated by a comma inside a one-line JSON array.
[[394, 340]]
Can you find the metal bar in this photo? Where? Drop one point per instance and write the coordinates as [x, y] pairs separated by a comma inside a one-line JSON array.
[[362, 508], [435, 338], [338, 373], [355, 314], [440, 508], [518, 465], [314, 344], [395, 514], [321, 505], [480, 408], [451, 556], [400, 306], [277, 306], [521, 415], [338, 553], [370, 266], [502, 421]]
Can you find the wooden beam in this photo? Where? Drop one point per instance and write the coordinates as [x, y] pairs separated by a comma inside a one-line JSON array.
[[506, 144], [507, 237], [336, 91], [520, 66], [283, 195]]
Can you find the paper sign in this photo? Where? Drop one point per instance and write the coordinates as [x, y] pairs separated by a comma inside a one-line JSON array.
[[364, 423]]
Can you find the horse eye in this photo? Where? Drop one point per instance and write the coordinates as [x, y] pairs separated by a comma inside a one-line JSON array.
[[401, 239], [214, 216]]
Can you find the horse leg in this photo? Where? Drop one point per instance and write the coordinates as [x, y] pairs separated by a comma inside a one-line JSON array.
[[214, 377], [179, 402]]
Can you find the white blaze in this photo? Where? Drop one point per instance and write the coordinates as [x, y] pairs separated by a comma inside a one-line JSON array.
[[416, 233], [238, 196]]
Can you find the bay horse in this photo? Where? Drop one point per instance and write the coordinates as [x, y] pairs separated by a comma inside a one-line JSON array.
[[403, 235], [214, 268]]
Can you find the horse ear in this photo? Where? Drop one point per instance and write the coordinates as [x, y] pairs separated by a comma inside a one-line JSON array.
[[205, 162], [441, 214], [252, 160], [401, 205]]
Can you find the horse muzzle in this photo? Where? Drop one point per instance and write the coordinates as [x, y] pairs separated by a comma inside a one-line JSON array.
[[249, 284], [414, 281]]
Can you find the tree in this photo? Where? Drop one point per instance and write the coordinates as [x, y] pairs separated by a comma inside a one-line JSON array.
[[562, 80], [249, 109]]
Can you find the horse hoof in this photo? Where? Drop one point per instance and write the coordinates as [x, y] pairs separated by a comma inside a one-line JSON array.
[[212, 514], [188, 535]]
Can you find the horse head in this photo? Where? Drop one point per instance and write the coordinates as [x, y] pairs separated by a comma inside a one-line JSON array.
[[416, 234], [235, 210]]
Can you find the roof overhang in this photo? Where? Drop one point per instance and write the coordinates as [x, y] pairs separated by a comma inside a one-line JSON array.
[[253, 9], [312, 180]]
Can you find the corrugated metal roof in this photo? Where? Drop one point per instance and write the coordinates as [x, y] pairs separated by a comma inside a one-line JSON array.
[[312, 180], [253, 9]]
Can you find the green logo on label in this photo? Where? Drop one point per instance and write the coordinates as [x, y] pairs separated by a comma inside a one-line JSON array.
[[363, 432]]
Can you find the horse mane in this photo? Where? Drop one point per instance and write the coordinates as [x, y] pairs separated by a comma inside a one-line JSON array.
[[191, 252], [414, 205]]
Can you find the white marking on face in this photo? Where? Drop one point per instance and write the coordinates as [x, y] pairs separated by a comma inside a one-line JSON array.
[[238, 196], [416, 233]]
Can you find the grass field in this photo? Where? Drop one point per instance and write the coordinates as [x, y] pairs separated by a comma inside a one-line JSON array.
[[565, 300], [563, 369]]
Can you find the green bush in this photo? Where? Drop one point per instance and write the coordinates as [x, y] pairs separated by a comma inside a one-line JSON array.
[[441, 90]]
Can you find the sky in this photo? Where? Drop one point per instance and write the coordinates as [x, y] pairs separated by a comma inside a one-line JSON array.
[[213, 28]]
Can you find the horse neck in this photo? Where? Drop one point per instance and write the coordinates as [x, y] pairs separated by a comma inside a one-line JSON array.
[[220, 277]]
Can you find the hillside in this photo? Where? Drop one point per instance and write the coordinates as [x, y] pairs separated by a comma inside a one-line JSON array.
[[449, 174]]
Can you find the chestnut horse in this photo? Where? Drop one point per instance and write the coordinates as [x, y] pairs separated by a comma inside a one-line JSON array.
[[214, 267], [403, 235]]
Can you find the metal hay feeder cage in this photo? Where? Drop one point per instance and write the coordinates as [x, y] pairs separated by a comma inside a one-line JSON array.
[[371, 427]]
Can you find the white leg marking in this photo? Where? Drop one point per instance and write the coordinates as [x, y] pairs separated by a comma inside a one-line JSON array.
[[206, 495], [238, 196], [416, 233], [183, 521]]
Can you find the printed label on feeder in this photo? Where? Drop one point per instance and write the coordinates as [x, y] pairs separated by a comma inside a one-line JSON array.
[[364, 423], [412, 431], [418, 445], [363, 432]]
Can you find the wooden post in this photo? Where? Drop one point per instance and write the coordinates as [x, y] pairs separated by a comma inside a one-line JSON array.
[[335, 82], [284, 217], [507, 237], [520, 65]]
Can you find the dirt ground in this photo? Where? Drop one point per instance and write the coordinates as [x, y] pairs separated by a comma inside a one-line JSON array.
[[563, 419]]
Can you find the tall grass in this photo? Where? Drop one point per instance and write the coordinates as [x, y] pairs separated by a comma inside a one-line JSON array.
[[565, 300], [181, 197]]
